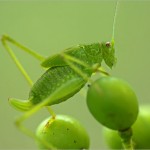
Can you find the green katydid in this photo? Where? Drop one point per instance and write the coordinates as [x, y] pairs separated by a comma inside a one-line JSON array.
[[71, 69], [62, 73]]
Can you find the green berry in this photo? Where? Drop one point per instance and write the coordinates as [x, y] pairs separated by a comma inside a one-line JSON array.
[[113, 103], [62, 132], [141, 132]]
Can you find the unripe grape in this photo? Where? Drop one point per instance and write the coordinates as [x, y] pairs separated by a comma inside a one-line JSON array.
[[113, 103], [63, 132], [141, 132]]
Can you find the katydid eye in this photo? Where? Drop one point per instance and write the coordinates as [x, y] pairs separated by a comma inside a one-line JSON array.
[[108, 44]]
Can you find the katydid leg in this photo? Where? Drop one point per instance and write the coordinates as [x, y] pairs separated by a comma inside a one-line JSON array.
[[6, 38], [70, 61], [29, 113], [26, 105], [94, 69], [17, 62]]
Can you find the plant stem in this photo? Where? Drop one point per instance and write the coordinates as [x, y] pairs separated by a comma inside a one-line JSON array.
[[126, 137]]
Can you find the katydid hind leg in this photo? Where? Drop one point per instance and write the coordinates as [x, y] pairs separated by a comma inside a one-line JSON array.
[[17, 62], [29, 113], [7, 38], [32, 134]]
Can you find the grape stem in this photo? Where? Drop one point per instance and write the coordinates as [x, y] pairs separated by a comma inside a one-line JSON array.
[[126, 137]]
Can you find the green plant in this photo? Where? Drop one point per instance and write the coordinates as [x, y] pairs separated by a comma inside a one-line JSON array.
[[141, 132], [113, 103], [63, 132]]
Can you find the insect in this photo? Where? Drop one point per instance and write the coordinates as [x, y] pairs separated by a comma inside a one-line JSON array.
[[70, 69]]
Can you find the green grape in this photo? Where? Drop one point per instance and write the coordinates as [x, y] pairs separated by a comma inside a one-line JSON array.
[[141, 132], [113, 103], [63, 132]]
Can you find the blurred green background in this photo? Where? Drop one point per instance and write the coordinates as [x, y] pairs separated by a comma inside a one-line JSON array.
[[51, 26]]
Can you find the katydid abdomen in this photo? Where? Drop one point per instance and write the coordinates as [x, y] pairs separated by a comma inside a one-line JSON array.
[[61, 80], [56, 85]]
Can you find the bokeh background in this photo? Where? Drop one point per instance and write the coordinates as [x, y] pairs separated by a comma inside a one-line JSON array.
[[51, 26]]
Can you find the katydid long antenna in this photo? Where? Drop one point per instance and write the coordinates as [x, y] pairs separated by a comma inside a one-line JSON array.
[[114, 21]]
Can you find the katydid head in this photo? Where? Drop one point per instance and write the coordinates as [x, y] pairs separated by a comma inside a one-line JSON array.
[[108, 53], [108, 50]]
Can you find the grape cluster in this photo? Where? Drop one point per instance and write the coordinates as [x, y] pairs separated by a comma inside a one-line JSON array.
[[114, 104]]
